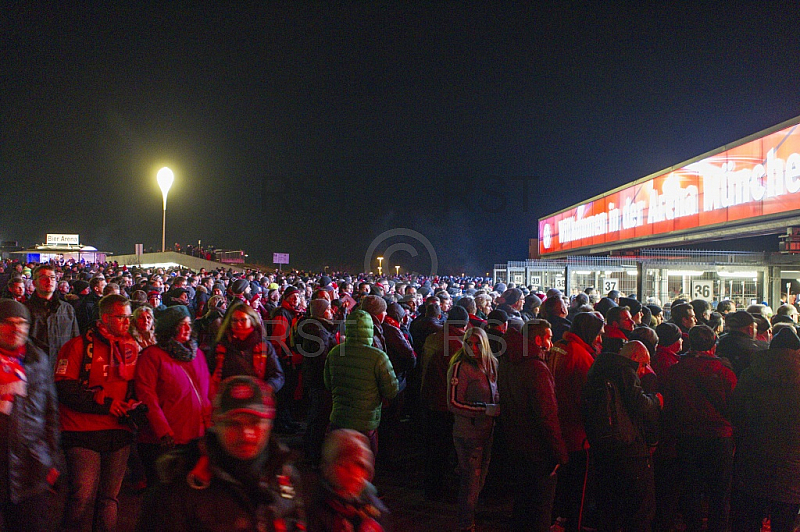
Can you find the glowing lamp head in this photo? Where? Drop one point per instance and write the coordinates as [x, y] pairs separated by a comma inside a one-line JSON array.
[[165, 177]]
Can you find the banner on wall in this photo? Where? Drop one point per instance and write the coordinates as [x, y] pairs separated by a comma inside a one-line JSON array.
[[757, 178]]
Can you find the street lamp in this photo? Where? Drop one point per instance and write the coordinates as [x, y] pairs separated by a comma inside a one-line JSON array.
[[165, 178], [398, 270], [380, 265]]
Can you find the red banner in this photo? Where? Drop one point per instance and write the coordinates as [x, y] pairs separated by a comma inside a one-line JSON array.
[[758, 178]]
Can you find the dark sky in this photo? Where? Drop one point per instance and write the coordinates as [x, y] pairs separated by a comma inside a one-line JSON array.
[[312, 129]]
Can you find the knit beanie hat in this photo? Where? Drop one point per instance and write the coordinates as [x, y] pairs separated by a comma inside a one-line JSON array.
[[497, 317], [532, 301], [655, 310], [79, 286], [586, 325], [10, 308], [395, 311], [318, 307], [239, 286], [631, 303], [739, 319], [344, 446], [785, 339], [289, 291], [512, 295], [604, 305], [668, 333], [458, 315], [169, 319]]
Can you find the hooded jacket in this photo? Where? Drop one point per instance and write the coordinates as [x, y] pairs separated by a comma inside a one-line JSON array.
[[359, 377], [528, 408], [765, 410]]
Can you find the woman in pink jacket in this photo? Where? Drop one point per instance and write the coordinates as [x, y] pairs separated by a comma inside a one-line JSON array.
[[172, 380]]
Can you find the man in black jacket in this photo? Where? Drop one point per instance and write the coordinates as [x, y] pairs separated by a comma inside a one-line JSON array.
[[246, 480], [425, 325], [318, 335], [403, 360], [739, 345], [625, 491], [529, 414], [87, 312], [555, 311], [53, 321]]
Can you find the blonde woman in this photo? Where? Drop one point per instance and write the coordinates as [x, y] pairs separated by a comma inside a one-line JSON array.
[[472, 398], [143, 326]]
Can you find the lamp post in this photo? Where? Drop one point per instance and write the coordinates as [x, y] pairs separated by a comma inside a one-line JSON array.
[[380, 265], [398, 270], [165, 177]]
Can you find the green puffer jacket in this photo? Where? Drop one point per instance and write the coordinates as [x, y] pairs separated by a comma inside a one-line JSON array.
[[359, 376]]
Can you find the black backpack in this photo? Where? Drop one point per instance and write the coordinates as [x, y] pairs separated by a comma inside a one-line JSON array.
[[608, 423]]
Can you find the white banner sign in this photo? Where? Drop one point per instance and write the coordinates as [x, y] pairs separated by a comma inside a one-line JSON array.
[[280, 258], [703, 290], [53, 238], [609, 285]]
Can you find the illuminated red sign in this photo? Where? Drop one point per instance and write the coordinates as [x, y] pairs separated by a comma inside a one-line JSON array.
[[755, 179]]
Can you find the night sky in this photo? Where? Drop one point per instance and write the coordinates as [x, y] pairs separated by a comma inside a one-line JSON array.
[[312, 129]]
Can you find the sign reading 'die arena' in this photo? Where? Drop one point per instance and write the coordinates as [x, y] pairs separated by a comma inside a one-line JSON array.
[[53, 238], [758, 178]]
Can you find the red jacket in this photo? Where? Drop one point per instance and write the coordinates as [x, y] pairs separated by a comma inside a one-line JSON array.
[[697, 397], [570, 360], [665, 358], [281, 325], [111, 369], [176, 395]]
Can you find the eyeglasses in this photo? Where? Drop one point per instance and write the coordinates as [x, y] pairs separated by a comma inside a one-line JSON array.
[[121, 317]]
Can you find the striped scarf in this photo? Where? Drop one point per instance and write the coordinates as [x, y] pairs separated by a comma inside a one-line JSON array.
[[13, 381]]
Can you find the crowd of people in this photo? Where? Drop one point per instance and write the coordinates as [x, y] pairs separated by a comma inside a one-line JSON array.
[[598, 412]]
